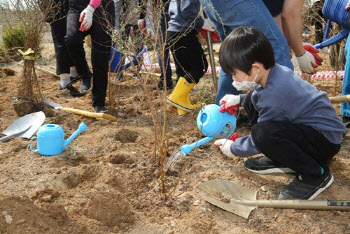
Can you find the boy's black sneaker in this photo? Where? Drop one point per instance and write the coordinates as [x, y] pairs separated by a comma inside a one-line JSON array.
[[264, 165], [346, 121], [306, 188], [73, 91], [100, 109], [85, 83]]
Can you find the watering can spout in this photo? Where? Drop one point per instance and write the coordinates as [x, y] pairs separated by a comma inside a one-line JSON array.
[[82, 127]]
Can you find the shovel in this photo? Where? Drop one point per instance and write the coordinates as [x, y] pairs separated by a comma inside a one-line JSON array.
[[24, 127], [241, 201], [80, 112]]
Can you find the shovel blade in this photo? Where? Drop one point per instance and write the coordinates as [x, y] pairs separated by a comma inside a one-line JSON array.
[[220, 192], [25, 126]]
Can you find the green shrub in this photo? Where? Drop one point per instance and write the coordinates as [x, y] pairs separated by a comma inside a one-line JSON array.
[[13, 37]]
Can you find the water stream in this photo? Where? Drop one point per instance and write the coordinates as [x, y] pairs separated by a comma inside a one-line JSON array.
[[174, 159]]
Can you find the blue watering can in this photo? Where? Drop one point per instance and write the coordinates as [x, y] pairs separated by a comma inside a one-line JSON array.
[[212, 123], [51, 139], [334, 10]]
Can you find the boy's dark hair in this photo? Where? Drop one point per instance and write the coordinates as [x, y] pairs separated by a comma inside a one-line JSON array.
[[244, 46]]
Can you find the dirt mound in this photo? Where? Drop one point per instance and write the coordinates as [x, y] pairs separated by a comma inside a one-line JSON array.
[[20, 215], [112, 210]]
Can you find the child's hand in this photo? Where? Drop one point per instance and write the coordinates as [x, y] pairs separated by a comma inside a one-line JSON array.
[[225, 146], [230, 103]]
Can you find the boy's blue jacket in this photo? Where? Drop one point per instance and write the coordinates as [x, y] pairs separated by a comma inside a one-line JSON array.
[[184, 16], [287, 97]]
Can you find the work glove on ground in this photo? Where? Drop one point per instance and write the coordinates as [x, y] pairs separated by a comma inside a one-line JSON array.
[[225, 147], [86, 18], [230, 103], [208, 25], [309, 47]]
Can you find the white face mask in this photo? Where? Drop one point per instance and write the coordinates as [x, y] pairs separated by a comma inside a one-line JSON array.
[[244, 85]]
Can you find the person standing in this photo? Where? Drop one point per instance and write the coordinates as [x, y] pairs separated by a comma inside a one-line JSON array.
[[57, 19], [190, 61], [95, 17]]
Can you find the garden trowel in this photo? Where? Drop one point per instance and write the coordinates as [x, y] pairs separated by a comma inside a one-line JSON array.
[[24, 127]]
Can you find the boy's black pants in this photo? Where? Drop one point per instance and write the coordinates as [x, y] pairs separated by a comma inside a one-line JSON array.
[[188, 54], [297, 146], [101, 47]]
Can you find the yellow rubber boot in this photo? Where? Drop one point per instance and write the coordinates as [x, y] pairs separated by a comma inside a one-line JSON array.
[[181, 112], [180, 97]]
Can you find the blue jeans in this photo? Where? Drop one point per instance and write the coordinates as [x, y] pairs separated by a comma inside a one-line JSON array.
[[345, 107], [227, 15], [163, 39]]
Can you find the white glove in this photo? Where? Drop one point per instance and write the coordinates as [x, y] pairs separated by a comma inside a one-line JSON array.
[[86, 18], [141, 24], [208, 25], [306, 62], [225, 146], [230, 100]]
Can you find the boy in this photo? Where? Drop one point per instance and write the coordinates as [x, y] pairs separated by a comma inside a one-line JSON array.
[[296, 127]]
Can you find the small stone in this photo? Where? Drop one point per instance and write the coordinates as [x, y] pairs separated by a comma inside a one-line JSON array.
[[21, 221], [196, 202], [1, 152], [172, 223], [264, 188], [8, 219]]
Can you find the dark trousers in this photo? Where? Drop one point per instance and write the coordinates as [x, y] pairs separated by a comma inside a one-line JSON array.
[[163, 33], [101, 47], [297, 146], [188, 54], [63, 59]]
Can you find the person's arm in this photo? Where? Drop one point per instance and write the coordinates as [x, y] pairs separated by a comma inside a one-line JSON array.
[[292, 30]]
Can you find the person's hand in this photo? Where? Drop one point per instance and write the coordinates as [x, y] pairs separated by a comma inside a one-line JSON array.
[[142, 25], [86, 18], [225, 147], [309, 47], [347, 6], [307, 62], [230, 103], [208, 25]]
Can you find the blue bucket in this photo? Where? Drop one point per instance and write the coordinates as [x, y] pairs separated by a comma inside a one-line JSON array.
[[115, 58]]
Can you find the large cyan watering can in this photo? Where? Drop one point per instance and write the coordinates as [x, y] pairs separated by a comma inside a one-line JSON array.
[[51, 139], [212, 123]]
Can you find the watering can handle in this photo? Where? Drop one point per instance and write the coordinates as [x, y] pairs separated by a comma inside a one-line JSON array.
[[31, 145]]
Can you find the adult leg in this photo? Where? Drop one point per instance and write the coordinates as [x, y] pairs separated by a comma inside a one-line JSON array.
[[100, 51], [345, 107], [75, 42], [164, 62]]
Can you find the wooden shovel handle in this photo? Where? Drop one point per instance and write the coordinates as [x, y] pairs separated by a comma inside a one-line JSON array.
[[340, 99], [91, 114], [297, 204]]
